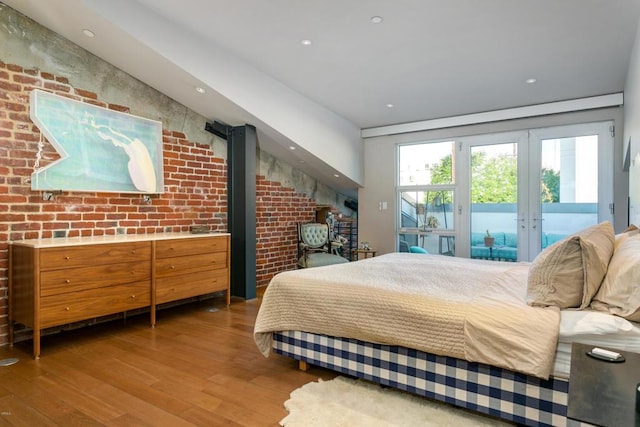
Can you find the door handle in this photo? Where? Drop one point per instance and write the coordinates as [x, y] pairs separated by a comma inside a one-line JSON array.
[[535, 221]]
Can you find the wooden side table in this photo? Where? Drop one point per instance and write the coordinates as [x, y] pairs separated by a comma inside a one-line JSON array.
[[603, 393], [368, 253]]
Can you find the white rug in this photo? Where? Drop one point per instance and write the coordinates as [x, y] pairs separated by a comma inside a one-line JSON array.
[[352, 403]]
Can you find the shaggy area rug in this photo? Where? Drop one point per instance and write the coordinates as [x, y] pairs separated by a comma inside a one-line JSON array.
[[347, 402]]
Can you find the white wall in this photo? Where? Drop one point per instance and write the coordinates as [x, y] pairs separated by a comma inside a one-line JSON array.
[[378, 227], [632, 128]]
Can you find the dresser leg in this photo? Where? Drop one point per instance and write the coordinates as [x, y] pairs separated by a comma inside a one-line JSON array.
[[36, 344]]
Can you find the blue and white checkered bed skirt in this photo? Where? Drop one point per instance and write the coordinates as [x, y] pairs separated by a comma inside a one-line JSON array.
[[483, 388]]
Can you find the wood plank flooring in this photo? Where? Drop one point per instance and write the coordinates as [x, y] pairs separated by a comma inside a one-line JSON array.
[[194, 368]]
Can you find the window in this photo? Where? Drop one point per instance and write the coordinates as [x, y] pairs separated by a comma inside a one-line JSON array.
[[527, 189], [426, 195]]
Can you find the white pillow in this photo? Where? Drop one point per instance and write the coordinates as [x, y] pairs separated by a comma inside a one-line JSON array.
[[587, 322]]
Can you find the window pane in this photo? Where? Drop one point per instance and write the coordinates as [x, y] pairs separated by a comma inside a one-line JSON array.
[[494, 197], [426, 164], [577, 158], [433, 243], [426, 210], [569, 186]]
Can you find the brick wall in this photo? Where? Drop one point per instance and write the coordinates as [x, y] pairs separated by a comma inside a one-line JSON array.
[[278, 209], [195, 189]]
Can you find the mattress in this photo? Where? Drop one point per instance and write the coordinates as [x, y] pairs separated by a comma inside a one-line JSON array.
[[466, 309], [594, 328]]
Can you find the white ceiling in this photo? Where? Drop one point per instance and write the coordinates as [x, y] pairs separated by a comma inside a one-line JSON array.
[[429, 58]]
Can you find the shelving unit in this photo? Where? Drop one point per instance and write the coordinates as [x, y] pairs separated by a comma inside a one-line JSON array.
[[348, 228]]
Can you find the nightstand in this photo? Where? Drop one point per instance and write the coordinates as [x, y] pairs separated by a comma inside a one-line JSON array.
[[368, 253], [603, 393]]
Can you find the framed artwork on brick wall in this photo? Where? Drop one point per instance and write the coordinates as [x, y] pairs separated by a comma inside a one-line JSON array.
[[100, 149]]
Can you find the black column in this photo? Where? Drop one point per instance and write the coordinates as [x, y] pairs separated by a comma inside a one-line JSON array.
[[241, 206]]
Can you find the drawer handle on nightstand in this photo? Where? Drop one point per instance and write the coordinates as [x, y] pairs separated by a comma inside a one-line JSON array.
[[67, 309], [67, 257], [133, 251], [173, 267], [133, 297], [67, 281]]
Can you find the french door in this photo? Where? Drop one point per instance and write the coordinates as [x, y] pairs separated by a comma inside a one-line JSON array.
[[529, 189]]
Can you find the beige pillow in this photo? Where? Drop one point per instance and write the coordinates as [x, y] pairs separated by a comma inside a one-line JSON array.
[[569, 273], [632, 230], [620, 290]]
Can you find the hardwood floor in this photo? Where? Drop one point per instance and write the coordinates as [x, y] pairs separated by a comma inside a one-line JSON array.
[[194, 368]]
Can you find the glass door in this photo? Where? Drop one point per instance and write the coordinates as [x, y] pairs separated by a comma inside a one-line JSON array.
[[574, 179], [494, 186], [504, 196], [526, 191]]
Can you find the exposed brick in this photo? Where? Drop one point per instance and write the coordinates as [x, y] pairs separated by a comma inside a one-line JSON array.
[[86, 94], [120, 108], [56, 87], [14, 67], [19, 78]]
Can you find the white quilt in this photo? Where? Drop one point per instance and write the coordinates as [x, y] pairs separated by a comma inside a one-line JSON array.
[[468, 309]]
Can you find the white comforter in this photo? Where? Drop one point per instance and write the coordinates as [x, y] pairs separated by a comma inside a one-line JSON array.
[[468, 309]]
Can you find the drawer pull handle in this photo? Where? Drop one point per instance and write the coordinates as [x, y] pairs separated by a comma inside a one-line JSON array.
[[67, 257], [67, 281], [173, 267], [133, 251], [133, 297], [67, 309]]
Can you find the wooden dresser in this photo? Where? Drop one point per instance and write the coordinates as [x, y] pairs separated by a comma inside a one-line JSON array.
[[53, 282]]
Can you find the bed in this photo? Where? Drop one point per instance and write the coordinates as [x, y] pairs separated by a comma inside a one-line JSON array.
[[493, 337]]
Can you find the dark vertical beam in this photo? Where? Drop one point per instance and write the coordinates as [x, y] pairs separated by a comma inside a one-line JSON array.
[[241, 187]]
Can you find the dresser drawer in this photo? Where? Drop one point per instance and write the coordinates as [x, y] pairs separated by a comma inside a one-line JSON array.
[[190, 264], [190, 246], [178, 287], [64, 308], [53, 282], [77, 256]]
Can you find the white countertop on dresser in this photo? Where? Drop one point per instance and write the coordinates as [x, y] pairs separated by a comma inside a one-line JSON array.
[[114, 238]]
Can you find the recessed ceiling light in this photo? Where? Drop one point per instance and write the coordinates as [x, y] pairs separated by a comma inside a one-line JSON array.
[[531, 81], [291, 147], [200, 90], [305, 42], [376, 19], [336, 175], [389, 105], [88, 33]]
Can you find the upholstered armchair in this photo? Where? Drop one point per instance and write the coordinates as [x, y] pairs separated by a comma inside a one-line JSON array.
[[314, 247]]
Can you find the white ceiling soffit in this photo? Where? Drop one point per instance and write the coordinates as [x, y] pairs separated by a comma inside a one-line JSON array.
[[612, 100]]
